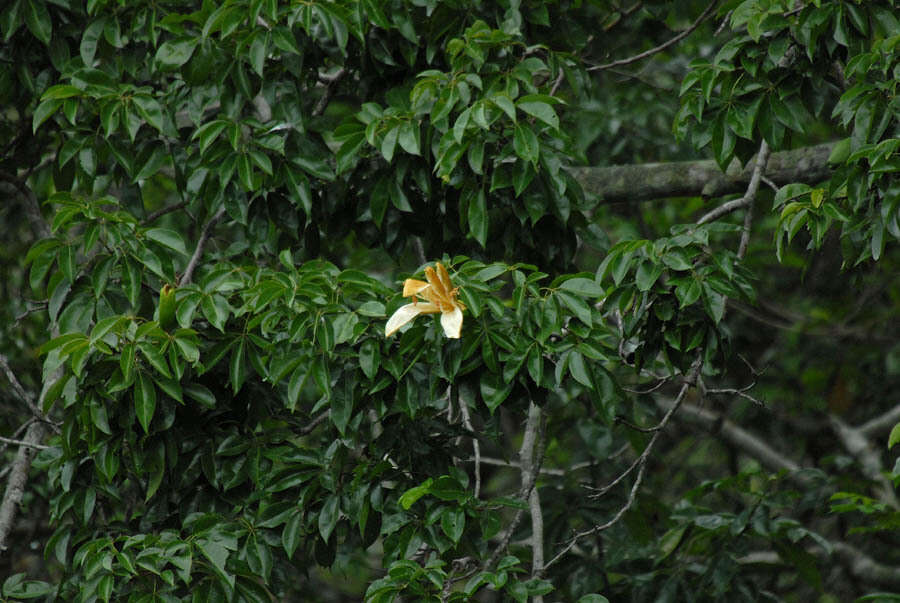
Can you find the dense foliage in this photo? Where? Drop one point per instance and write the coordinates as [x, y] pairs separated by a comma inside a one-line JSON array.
[[214, 207]]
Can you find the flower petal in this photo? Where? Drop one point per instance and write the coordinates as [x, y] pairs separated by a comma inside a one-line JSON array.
[[412, 287], [452, 322], [405, 314]]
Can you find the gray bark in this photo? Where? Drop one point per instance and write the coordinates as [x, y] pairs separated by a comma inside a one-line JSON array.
[[647, 181], [18, 477]]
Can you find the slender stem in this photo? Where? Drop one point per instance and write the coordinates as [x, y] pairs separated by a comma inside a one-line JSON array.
[[198, 251], [762, 158], [638, 57], [689, 381], [23, 443]]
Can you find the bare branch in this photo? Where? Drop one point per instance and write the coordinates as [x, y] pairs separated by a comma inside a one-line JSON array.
[[18, 476], [163, 211], [22, 443], [881, 423], [739, 438], [860, 447], [32, 208], [762, 158], [198, 251], [648, 53], [533, 450], [330, 81], [858, 564], [476, 445], [690, 380], [314, 423], [650, 181]]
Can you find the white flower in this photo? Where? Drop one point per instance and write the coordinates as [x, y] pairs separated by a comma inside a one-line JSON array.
[[440, 296]]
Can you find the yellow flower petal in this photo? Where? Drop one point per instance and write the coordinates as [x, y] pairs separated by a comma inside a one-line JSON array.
[[407, 313], [412, 287], [440, 296]]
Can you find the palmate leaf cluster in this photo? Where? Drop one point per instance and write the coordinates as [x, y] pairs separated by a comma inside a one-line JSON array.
[[234, 193]]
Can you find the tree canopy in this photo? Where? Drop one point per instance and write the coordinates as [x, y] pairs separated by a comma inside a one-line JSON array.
[[415, 300]]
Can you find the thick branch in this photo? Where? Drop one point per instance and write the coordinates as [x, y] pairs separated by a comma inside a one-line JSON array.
[[531, 456], [741, 439], [861, 566], [648, 181], [18, 476], [857, 444]]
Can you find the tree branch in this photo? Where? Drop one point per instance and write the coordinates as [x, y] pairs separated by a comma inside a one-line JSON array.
[[649, 181], [532, 449], [881, 423], [861, 566], [759, 166], [690, 380], [857, 444], [32, 208], [18, 476], [741, 439], [638, 57], [22, 443], [163, 211], [198, 251]]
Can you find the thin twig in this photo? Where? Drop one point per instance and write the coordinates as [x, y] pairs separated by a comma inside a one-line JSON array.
[[32, 208], [314, 423], [476, 446], [742, 392], [15, 442], [487, 460], [24, 395], [198, 251], [689, 381], [706, 13], [762, 158], [163, 211], [722, 25]]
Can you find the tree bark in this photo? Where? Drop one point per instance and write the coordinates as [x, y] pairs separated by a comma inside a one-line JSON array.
[[18, 477], [647, 181]]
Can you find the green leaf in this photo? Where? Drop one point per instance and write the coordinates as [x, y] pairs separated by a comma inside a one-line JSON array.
[[43, 112], [409, 137], [453, 523], [525, 143], [494, 390], [577, 305], [582, 286], [408, 498], [144, 400], [37, 18], [894, 437], [175, 53], [329, 515], [150, 109], [389, 143], [168, 238], [478, 217], [88, 46], [17, 587], [369, 357], [540, 110]]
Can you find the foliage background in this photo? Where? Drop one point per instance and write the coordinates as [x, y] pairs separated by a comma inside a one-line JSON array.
[[211, 209]]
